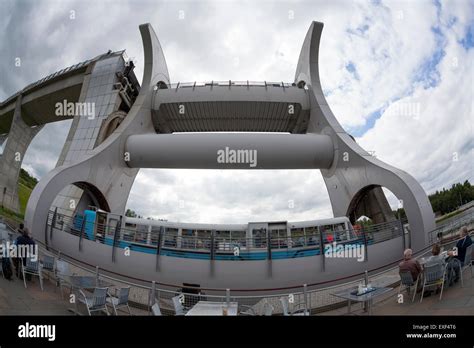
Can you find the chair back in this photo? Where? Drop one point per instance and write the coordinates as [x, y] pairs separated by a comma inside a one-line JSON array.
[[267, 309], [178, 306], [434, 272], [32, 266], [468, 256], [406, 278], [99, 297], [123, 295], [48, 262], [284, 305], [62, 268], [156, 309]]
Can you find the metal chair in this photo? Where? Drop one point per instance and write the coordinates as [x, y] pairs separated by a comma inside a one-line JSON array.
[[247, 310], [34, 268], [96, 302], [467, 263], [49, 263], [120, 300], [434, 274], [285, 304], [1, 264], [61, 270], [178, 306], [406, 280]]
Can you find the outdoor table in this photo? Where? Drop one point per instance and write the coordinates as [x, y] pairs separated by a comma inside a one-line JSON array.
[[213, 308], [83, 283], [367, 298]]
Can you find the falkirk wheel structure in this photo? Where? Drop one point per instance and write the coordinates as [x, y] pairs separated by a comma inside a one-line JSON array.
[[162, 125]]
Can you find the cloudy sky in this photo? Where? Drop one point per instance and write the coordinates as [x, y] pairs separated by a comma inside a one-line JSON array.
[[398, 75]]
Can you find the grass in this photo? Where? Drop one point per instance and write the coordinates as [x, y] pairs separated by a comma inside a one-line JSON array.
[[449, 215], [24, 193], [9, 214]]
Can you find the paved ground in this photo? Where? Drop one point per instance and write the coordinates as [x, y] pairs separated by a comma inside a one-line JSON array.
[[456, 300], [16, 300]]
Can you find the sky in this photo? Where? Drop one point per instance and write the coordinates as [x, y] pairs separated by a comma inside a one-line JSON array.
[[398, 75]]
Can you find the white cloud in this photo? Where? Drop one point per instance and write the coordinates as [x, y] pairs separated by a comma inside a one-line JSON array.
[[386, 43]]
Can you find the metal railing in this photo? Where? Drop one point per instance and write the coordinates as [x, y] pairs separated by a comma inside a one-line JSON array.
[[210, 243], [315, 297], [228, 84], [450, 230]]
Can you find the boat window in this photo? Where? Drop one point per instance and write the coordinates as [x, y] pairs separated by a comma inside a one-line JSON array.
[[298, 237], [340, 232], [279, 238], [188, 239], [128, 233], [312, 235], [141, 235], [203, 239], [328, 234], [170, 237], [155, 232], [260, 238], [223, 240], [113, 223], [239, 238]]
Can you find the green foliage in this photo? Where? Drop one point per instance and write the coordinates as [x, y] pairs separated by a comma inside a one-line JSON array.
[[132, 214], [11, 214], [446, 201], [26, 179]]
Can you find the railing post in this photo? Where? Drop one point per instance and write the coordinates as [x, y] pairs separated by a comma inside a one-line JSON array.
[[227, 297], [403, 235], [321, 249], [158, 247], [213, 247], [364, 235], [117, 231], [305, 294], [97, 275], [151, 295], [81, 233], [53, 223], [269, 245]]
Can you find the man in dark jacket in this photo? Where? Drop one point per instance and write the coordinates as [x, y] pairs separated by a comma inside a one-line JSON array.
[[24, 239], [461, 246]]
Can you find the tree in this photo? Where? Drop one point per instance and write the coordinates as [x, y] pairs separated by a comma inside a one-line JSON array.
[[130, 213]]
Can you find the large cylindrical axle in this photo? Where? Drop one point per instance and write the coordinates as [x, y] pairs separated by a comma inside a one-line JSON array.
[[230, 151]]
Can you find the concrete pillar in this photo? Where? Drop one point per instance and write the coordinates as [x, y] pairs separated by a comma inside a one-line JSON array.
[[19, 138]]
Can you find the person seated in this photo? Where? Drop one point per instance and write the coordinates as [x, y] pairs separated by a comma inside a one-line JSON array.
[[436, 255], [462, 244], [410, 264]]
